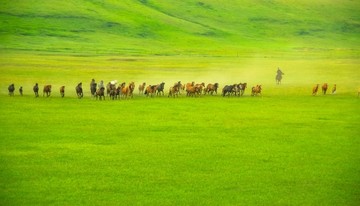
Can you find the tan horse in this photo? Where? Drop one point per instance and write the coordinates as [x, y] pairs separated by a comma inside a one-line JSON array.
[[256, 90], [142, 88]]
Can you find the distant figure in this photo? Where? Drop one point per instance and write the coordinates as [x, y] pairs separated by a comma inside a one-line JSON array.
[[315, 90], [101, 84], [324, 88], [36, 90], [79, 90], [11, 89], [334, 89], [93, 87], [142, 88], [62, 91], [21, 91], [47, 90], [278, 77]]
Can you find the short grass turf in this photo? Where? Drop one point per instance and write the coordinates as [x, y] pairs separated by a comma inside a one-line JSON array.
[[285, 147]]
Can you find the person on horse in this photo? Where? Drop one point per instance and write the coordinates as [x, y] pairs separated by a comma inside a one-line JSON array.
[[278, 77]]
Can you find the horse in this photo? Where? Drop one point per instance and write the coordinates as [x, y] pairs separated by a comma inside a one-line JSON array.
[[21, 91], [128, 91], [324, 88], [62, 91], [175, 90], [211, 88], [11, 89], [100, 93], [93, 86], [112, 92], [36, 90], [228, 89], [79, 90], [279, 76], [47, 90], [200, 87], [142, 88], [315, 89], [242, 87], [150, 90], [193, 91], [334, 89], [160, 89], [256, 90]]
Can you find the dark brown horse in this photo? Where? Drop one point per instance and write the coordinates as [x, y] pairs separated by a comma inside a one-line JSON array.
[[36, 90], [100, 93], [211, 88], [62, 91], [47, 90], [79, 90]]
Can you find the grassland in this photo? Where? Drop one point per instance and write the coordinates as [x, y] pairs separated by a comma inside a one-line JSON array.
[[285, 147]]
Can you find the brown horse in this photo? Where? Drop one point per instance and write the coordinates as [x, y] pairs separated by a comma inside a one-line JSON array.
[[150, 90], [324, 88], [256, 90], [211, 88], [128, 91], [142, 88], [175, 90], [79, 90], [47, 90], [200, 87], [62, 91], [100, 93], [315, 89]]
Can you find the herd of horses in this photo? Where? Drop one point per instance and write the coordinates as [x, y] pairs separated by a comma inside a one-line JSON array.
[[124, 91], [192, 89]]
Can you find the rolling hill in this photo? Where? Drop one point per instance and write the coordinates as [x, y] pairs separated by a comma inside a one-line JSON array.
[[162, 27]]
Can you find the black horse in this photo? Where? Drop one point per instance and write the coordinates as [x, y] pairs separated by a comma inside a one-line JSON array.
[[160, 89], [278, 77], [228, 89], [11, 89], [79, 90]]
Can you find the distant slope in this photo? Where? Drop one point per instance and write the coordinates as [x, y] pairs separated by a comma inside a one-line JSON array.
[[163, 27]]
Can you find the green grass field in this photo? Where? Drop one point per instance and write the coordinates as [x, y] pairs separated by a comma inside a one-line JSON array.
[[285, 147]]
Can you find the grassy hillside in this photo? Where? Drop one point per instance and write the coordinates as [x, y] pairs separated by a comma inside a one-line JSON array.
[[207, 27]]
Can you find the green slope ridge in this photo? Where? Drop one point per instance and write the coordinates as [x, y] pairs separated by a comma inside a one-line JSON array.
[[208, 27]]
